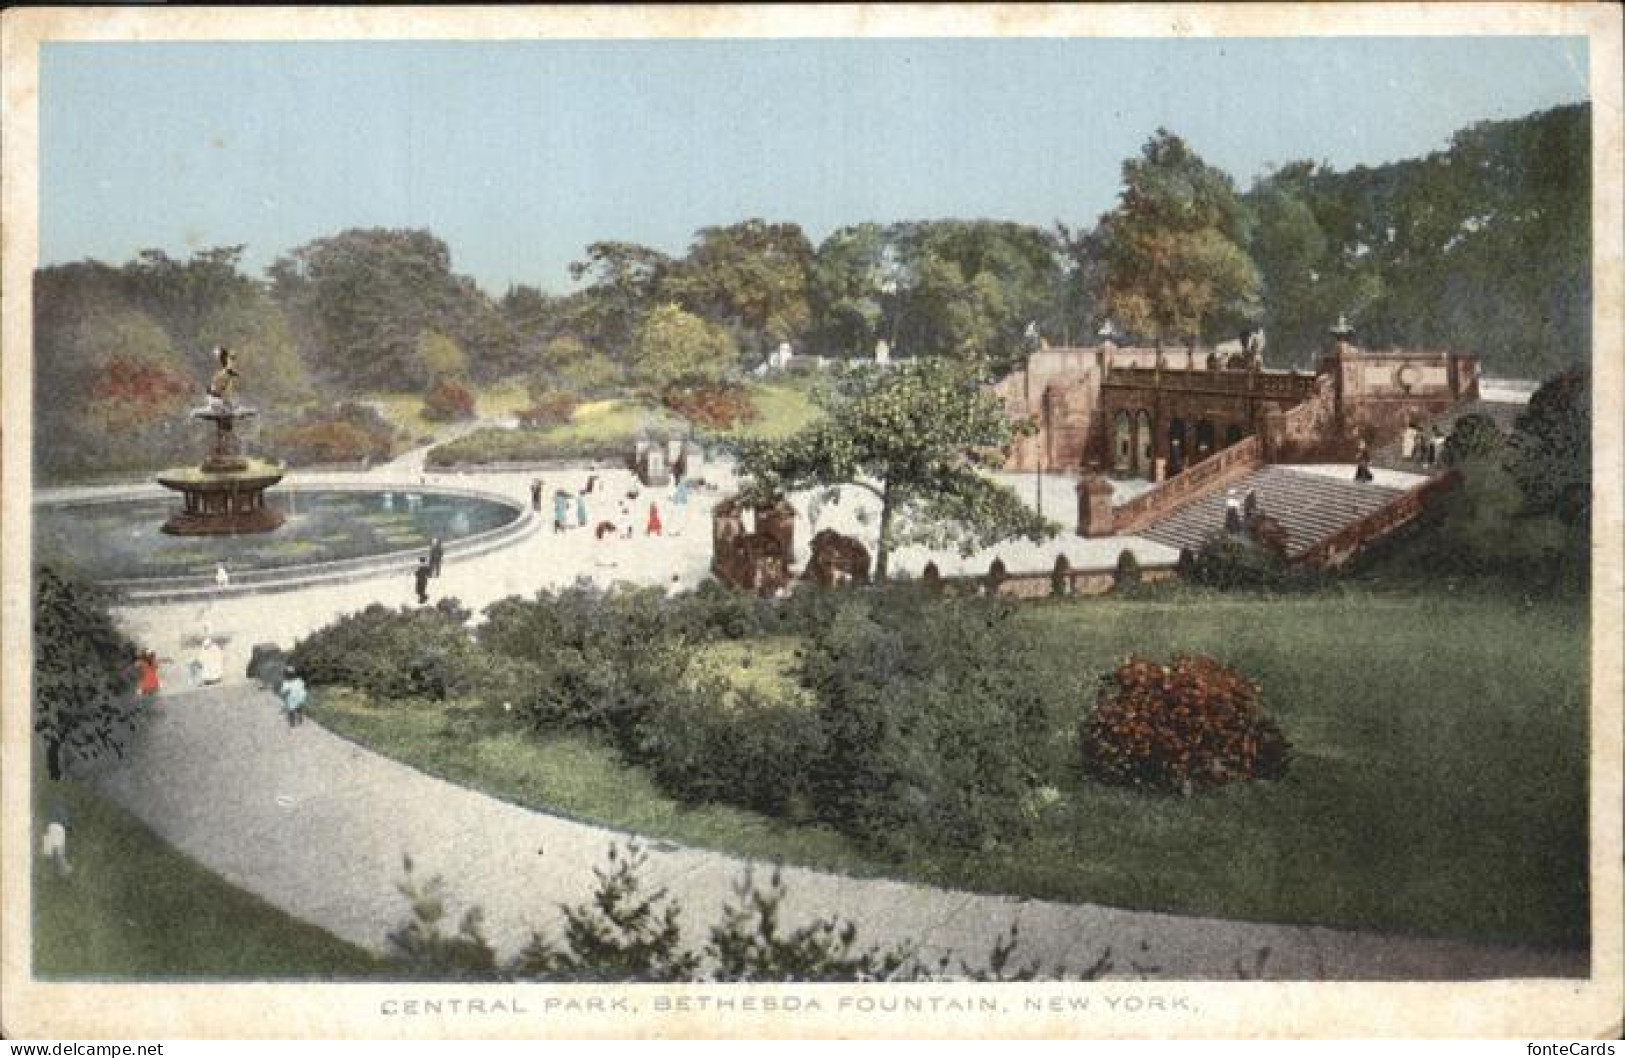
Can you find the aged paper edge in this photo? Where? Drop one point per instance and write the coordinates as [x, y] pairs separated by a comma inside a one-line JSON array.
[[252, 1010]]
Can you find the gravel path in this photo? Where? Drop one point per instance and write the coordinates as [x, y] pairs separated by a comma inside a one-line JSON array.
[[318, 826]]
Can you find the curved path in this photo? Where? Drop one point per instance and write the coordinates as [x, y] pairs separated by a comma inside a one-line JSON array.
[[318, 826]]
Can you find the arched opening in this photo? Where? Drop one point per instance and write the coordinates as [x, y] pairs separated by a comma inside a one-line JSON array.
[[1144, 444], [1178, 446], [1232, 435], [1122, 442], [1204, 440]]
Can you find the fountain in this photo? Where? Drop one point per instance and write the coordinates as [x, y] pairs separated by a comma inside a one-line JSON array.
[[225, 495]]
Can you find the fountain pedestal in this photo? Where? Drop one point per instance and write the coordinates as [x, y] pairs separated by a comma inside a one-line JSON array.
[[225, 494]]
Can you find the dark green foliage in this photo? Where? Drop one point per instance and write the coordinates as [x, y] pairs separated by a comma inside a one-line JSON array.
[[599, 660], [1193, 723], [743, 747], [1473, 437], [497, 444], [1551, 449], [1481, 531], [84, 681], [1126, 575], [750, 945], [423, 652], [1230, 560], [1484, 247], [374, 293], [938, 731], [625, 933], [425, 951]]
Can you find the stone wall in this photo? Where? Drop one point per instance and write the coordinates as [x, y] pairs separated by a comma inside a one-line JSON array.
[[1379, 392]]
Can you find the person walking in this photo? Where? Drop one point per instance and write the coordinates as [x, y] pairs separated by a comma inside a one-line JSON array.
[[146, 674], [1407, 442], [653, 527], [437, 555], [581, 510], [293, 695], [1232, 511], [222, 579], [561, 510], [536, 495], [420, 579]]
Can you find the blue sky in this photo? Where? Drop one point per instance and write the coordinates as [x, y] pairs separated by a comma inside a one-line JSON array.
[[518, 154]]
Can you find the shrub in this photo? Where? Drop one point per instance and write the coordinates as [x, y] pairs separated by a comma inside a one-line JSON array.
[[423, 948], [498, 445], [84, 683], [405, 653], [624, 933], [448, 401], [548, 407], [1227, 560], [339, 433], [738, 746], [714, 407], [1473, 437], [1126, 577], [937, 726], [1194, 723], [599, 660]]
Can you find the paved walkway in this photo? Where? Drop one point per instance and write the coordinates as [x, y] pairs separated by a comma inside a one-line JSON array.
[[318, 827]]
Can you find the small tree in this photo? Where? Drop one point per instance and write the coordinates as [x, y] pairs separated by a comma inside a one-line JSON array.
[[672, 347], [1551, 448], [84, 694], [448, 400], [913, 437], [624, 934], [748, 945], [441, 357], [1126, 577], [1473, 437], [426, 950]]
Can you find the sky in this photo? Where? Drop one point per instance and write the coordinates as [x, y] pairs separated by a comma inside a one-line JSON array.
[[518, 154]]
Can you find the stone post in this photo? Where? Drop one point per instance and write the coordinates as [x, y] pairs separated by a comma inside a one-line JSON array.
[[1095, 506]]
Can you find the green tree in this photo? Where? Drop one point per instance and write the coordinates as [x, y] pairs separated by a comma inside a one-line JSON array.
[[358, 302], [751, 276], [1551, 449], [84, 693], [672, 347], [625, 282], [913, 437], [1175, 267], [569, 362], [441, 357]]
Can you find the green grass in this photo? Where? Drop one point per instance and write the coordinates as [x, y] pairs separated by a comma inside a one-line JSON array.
[[781, 410], [132, 906], [767, 666], [570, 775], [1437, 787]]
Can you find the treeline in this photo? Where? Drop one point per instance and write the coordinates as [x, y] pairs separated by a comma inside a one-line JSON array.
[[1482, 247]]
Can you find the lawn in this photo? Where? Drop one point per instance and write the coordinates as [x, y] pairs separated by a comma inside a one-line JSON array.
[[134, 907], [1437, 787]]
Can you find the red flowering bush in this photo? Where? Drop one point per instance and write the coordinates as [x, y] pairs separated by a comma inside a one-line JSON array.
[[448, 400], [714, 407], [343, 433], [1192, 724], [549, 407]]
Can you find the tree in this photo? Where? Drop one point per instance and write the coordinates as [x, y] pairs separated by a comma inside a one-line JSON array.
[[672, 347], [569, 362], [360, 300], [626, 282], [751, 276], [913, 437], [84, 694], [441, 356], [1174, 263], [1551, 449]]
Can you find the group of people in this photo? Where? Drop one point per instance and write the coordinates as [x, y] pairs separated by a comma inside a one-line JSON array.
[[1240, 510], [1417, 446]]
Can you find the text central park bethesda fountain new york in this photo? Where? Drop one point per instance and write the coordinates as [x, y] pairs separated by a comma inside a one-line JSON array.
[[225, 495]]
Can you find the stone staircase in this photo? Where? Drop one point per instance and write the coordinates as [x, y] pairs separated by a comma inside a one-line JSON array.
[[1310, 507]]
